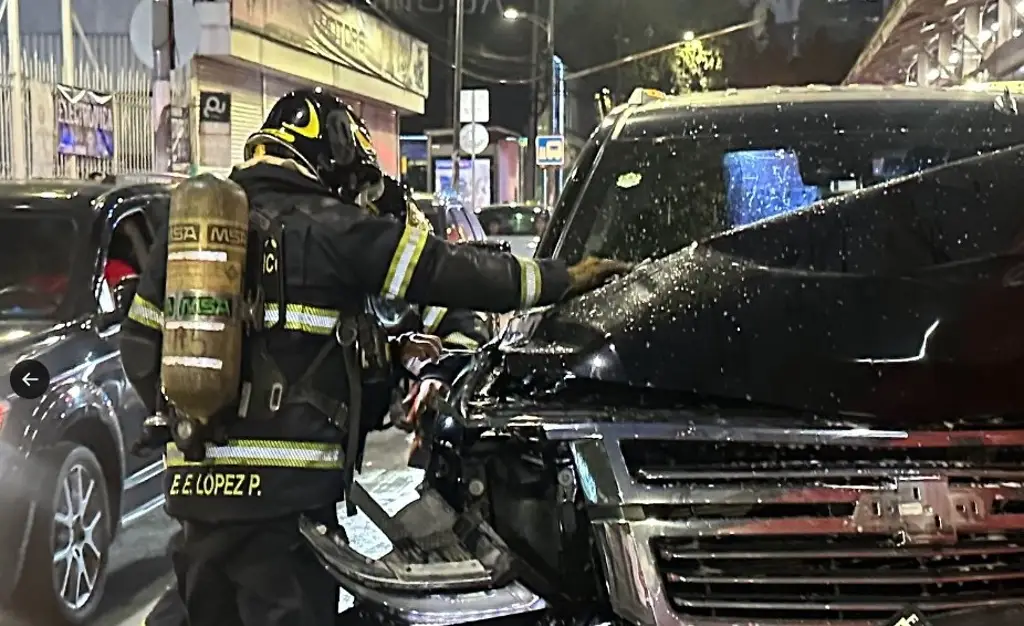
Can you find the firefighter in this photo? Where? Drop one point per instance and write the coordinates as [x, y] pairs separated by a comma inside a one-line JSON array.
[[458, 332], [314, 359]]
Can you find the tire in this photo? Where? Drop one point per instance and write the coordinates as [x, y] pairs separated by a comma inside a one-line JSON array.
[[65, 568]]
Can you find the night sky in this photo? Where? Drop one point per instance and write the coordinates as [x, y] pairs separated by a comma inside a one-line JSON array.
[[819, 46]]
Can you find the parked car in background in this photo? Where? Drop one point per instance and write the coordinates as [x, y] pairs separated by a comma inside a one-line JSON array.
[[457, 224], [450, 218], [67, 479], [521, 225]]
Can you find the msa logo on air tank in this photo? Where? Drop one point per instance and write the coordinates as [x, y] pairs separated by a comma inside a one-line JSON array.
[[188, 306], [226, 235], [185, 233], [215, 234]]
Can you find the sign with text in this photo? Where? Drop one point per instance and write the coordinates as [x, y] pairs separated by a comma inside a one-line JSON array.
[[474, 106], [550, 151], [214, 107], [474, 180], [85, 122], [473, 138], [340, 33], [472, 7]]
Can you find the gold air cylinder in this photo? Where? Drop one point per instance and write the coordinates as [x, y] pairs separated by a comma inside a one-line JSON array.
[[203, 323]]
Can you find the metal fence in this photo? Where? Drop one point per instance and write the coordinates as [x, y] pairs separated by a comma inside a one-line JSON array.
[[105, 66]]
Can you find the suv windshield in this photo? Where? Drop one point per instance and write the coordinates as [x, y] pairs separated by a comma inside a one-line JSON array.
[[38, 252], [654, 194]]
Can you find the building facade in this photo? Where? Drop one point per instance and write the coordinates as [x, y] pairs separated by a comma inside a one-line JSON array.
[[261, 49], [250, 52]]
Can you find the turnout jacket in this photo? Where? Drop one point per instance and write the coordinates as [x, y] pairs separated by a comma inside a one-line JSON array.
[[336, 254]]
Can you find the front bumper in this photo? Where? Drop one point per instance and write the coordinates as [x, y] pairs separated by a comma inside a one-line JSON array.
[[656, 530], [508, 606], [468, 585]]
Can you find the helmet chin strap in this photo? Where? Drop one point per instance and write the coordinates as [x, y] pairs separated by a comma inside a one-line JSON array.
[[370, 194]]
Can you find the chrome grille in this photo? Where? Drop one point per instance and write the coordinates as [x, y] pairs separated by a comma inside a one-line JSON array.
[[851, 577], [735, 524]]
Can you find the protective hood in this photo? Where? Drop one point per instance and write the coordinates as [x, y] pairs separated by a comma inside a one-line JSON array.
[[277, 175], [900, 301]]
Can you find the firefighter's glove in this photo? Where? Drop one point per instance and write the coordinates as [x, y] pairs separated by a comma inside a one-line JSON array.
[[593, 272], [417, 350], [420, 398]]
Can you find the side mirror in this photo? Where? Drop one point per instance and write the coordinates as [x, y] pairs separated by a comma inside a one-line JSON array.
[[124, 293], [491, 245]]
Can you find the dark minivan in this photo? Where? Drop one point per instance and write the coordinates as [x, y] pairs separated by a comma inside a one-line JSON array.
[[802, 407]]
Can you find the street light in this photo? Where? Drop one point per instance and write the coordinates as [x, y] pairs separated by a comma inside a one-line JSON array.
[[513, 14]]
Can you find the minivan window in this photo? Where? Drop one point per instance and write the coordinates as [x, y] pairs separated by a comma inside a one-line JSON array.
[[35, 277], [513, 221], [654, 195]]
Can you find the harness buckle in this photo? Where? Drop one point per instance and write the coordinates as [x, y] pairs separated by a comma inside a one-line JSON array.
[[276, 397], [254, 311], [347, 334]]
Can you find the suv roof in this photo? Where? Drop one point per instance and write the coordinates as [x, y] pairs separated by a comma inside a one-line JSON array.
[[76, 196], [671, 114]]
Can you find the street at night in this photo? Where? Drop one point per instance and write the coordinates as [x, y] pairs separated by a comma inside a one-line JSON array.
[[511, 313]]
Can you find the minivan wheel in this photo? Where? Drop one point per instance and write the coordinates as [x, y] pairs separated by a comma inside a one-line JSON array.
[[66, 563]]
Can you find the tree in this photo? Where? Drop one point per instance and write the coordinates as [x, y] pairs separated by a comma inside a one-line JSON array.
[[606, 30], [696, 66], [693, 66]]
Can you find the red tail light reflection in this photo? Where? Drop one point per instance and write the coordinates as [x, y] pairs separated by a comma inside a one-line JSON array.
[[455, 234]]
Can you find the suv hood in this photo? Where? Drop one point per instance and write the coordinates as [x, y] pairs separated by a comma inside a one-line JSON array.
[[710, 324], [703, 324]]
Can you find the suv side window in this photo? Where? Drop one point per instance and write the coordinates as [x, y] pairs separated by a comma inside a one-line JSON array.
[[575, 185]]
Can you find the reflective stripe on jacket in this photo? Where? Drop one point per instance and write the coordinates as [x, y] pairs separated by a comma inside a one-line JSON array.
[[299, 317], [264, 453]]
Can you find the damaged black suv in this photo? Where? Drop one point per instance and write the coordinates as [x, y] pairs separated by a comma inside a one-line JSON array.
[[805, 405]]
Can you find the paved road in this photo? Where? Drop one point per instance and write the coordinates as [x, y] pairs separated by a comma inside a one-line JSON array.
[[139, 571]]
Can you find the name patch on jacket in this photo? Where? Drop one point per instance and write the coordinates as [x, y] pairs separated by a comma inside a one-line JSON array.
[[214, 483]]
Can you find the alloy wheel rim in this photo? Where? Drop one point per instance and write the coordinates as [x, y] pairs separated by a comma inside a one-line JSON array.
[[77, 540]]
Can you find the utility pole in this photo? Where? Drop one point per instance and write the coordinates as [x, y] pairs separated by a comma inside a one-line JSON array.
[[460, 16], [530, 166], [67, 41], [163, 60], [19, 132], [618, 49], [550, 188]]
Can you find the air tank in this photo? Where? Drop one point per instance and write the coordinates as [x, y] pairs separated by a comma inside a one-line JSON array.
[[207, 237]]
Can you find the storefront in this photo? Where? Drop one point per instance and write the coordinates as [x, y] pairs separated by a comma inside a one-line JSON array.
[[382, 75], [251, 92]]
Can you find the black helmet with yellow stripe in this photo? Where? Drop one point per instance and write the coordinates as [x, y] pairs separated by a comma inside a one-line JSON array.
[[323, 133]]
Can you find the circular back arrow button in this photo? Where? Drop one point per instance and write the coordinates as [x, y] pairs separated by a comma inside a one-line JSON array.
[[29, 379]]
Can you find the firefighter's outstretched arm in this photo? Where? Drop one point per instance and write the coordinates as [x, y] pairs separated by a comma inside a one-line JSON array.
[[399, 261], [142, 331]]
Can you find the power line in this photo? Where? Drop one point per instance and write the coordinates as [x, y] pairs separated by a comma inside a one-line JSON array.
[[581, 73], [661, 49], [487, 78]]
